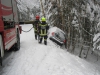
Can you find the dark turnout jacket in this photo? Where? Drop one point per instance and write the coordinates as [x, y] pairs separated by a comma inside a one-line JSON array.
[[43, 28]]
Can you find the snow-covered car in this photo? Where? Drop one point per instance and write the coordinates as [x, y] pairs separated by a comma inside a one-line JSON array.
[[57, 35]]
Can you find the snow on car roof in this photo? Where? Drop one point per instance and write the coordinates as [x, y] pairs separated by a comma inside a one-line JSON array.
[[54, 29]]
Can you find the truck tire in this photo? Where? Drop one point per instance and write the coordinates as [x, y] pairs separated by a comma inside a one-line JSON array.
[[17, 44], [1, 50], [0, 57], [1, 61]]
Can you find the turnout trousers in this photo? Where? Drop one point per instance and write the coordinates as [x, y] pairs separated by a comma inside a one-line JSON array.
[[45, 39]]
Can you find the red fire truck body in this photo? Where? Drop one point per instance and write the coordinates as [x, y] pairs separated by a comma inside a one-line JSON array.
[[9, 26]]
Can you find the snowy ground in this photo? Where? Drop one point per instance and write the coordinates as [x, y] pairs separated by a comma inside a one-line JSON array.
[[39, 59]]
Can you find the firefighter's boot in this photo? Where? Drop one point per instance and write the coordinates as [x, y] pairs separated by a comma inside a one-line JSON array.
[[36, 37], [40, 40], [45, 42]]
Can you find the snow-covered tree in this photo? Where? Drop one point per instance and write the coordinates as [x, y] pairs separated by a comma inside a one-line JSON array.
[[62, 13], [26, 8]]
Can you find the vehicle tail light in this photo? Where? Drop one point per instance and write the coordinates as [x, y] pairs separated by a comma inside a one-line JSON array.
[[53, 33], [64, 41]]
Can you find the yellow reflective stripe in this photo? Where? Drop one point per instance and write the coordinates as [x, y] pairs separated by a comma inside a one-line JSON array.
[[42, 34], [43, 25], [45, 39], [45, 31]]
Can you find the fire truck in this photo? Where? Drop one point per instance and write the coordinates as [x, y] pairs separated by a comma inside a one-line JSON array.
[[10, 29]]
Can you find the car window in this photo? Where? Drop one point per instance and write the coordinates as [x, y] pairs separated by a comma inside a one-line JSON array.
[[57, 35], [61, 35]]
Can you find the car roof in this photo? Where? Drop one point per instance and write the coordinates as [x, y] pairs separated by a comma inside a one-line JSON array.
[[54, 29]]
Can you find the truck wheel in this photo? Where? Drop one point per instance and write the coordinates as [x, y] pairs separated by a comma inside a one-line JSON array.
[[1, 61], [17, 45], [0, 57], [1, 50]]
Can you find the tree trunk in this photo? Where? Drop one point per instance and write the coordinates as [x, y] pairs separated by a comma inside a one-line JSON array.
[[42, 8]]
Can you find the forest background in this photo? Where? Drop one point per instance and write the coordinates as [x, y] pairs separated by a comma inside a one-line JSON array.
[[79, 19]]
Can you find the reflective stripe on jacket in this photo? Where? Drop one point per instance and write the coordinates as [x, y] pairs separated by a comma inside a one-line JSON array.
[[36, 25], [43, 30]]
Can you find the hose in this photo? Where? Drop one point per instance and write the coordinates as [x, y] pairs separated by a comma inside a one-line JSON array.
[[28, 30]]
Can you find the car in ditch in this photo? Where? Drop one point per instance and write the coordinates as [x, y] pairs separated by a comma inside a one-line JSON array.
[[57, 35]]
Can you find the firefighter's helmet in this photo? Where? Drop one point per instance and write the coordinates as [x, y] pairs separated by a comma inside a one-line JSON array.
[[43, 19], [37, 17]]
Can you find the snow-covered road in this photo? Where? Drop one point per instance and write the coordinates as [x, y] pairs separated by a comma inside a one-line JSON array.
[[39, 59]]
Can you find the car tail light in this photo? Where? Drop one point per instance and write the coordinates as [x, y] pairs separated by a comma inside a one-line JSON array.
[[53, 33], [64, 41]]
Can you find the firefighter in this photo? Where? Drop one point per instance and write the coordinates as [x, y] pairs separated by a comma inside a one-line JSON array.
[[36, 26], [43, 28]]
